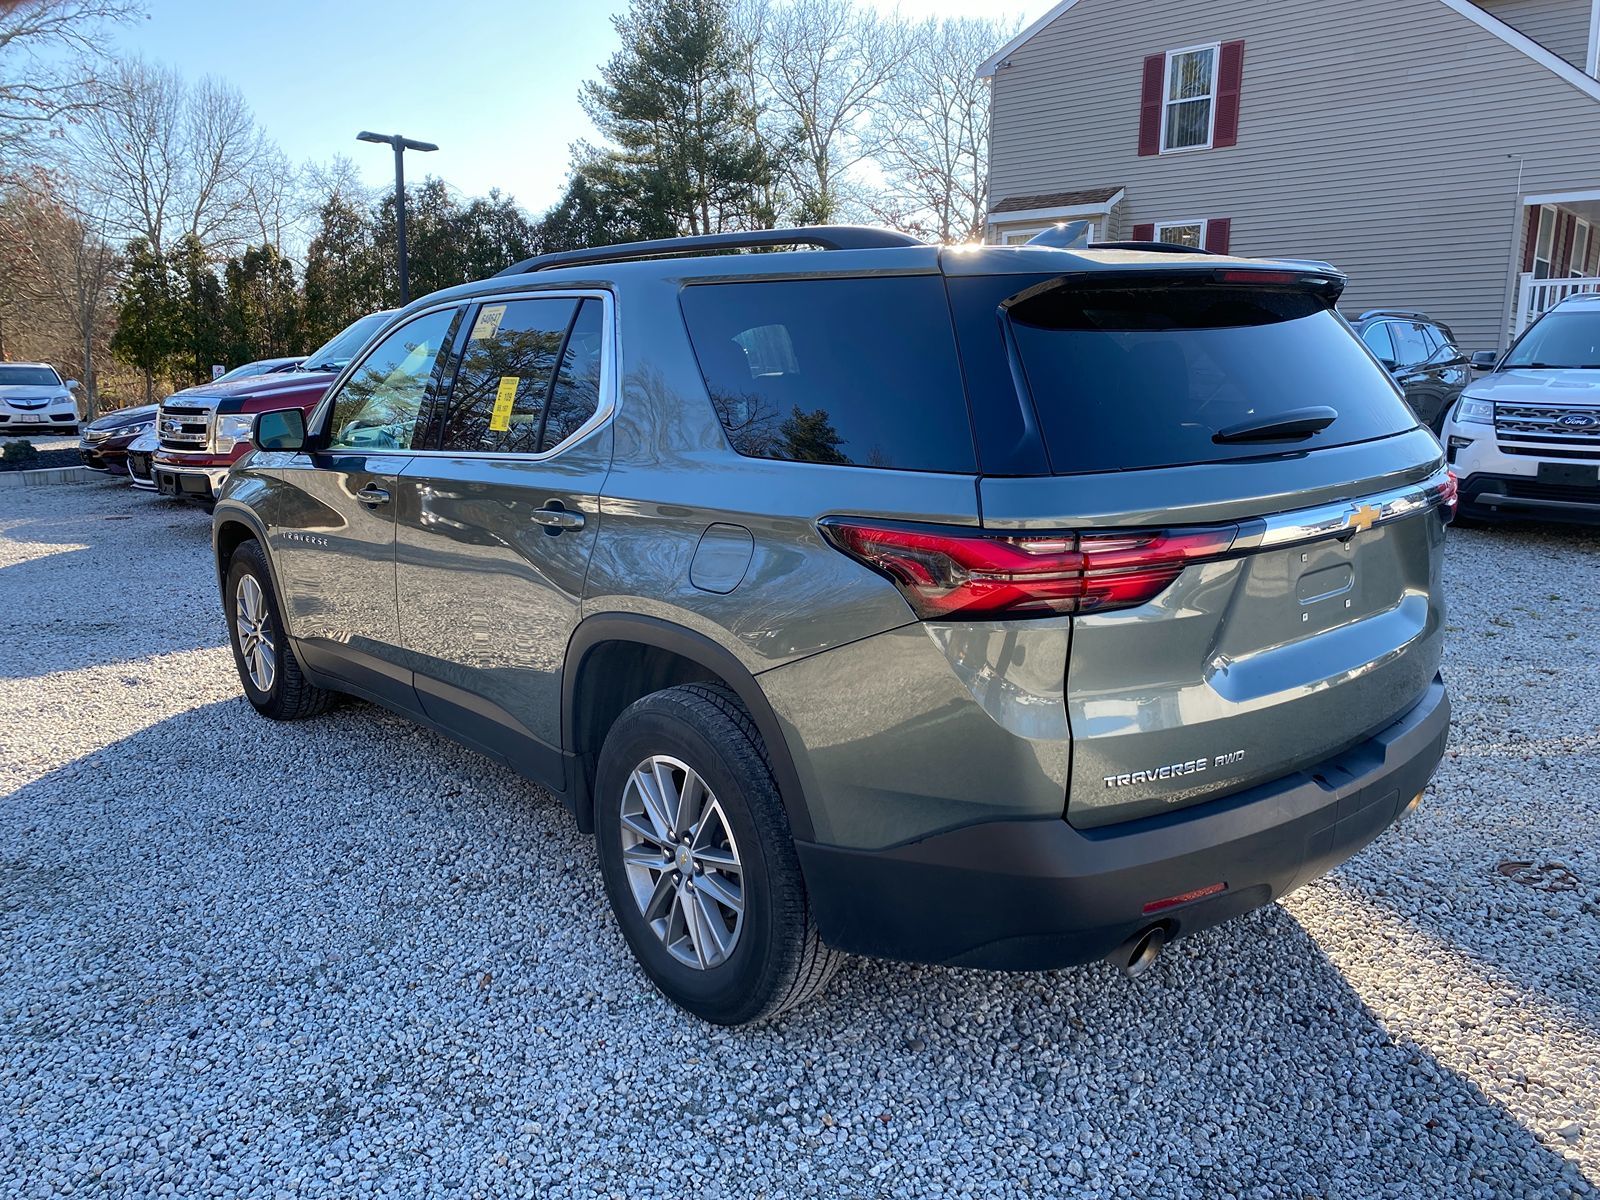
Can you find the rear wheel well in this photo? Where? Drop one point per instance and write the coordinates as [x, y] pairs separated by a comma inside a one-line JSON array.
[[612, 676]]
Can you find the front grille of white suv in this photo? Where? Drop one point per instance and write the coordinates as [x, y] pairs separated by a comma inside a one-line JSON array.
[[1547, 425]]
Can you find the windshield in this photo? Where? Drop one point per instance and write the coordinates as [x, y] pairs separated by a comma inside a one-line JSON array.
[[1562, 339], [29, 377], [336, 353]]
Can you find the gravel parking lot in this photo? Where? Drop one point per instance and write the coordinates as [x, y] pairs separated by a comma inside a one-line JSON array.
[[346, 957]]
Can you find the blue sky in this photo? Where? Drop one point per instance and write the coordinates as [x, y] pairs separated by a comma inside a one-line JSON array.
[[494, 84]]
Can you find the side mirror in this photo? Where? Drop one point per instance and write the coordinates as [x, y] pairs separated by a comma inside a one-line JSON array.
[[281, 429], [1484, 360], [73, 385]]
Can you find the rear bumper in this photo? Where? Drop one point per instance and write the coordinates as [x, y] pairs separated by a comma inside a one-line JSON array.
[[1039, 894]]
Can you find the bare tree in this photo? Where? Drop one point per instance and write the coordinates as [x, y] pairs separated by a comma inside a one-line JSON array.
[[57, 264], [169, 159], [931, 132], [48, 50], [823, 64]]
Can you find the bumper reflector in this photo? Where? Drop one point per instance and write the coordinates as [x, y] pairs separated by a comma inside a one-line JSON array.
[[1156, 906]]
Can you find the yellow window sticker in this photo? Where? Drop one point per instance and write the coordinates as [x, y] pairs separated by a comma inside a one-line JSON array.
[[488, 322], [504, 397]]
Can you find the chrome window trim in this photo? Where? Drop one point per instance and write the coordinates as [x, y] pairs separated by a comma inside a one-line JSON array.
[[1334, 520], [609, 390]]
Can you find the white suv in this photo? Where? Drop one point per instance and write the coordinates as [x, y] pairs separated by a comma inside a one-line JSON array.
[[33, 398], [1524, 440]]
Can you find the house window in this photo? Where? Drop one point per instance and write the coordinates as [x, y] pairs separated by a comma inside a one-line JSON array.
[[1544, 245], [1182, 233], [1189, 102], [1580, 250]]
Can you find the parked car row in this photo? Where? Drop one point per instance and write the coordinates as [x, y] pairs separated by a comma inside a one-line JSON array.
[[1521, 431], [185, 445]]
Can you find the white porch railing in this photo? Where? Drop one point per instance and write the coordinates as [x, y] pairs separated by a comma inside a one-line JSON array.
[[1537, 296]]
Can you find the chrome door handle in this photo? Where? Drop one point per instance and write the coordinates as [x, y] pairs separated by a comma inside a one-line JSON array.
[[557, 519], [373, 495]]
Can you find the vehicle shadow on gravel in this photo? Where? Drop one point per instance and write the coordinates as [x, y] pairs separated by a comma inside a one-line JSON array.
[[350, 935]]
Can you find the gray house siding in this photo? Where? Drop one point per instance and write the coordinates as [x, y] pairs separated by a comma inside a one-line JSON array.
[[1558, 25], [1398, 165]]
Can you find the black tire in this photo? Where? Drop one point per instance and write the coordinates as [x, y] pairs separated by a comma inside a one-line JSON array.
[[777, 960], [289, 697]]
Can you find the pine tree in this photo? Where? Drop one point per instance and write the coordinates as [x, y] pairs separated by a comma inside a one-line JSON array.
[[147, 312], [671, 103]]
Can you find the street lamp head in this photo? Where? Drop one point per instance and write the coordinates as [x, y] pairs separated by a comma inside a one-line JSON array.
[[395, 140]]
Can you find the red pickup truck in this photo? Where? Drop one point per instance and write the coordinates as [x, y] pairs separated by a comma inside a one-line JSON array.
[[204, 430]]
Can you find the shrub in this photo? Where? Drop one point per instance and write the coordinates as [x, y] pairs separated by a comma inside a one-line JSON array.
[[19, 452]]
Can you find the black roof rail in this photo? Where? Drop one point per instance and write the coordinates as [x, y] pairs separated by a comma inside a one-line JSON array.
[[1150, 247], [825, 237], [1394, 312]]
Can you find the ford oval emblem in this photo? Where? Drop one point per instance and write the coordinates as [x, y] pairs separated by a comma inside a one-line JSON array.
[[1578, 421]]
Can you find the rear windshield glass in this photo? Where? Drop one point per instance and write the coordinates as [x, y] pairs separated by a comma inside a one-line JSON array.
[[1133, 378], [853, 372], [1569, 340]]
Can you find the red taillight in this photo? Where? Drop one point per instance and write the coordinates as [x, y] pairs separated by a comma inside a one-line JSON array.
[[945, 572], [1449, 495]]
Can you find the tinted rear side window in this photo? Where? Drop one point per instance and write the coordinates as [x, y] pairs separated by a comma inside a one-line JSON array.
[[1132, 378], [498, 404], [856, 372]]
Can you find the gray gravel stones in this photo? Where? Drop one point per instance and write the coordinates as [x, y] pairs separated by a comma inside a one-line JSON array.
[[347, 958]]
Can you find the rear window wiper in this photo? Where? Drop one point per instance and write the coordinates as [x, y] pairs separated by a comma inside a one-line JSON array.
[[1289, 426]]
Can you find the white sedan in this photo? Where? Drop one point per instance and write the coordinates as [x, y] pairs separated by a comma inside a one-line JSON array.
[[34, 399]]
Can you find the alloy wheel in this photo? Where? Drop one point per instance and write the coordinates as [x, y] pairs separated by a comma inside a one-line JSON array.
[[257, 643], [681, 861]]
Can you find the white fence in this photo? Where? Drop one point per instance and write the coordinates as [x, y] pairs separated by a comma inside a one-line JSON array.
[[1536, 296]]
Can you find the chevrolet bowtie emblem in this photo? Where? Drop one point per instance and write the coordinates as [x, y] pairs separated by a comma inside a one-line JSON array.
[[1362, 518]]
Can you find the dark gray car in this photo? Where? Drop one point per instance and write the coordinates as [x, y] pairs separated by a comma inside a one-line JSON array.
[[1004, 607]]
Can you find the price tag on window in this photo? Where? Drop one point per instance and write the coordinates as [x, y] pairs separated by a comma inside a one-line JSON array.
[[504, 397], [488, 322]]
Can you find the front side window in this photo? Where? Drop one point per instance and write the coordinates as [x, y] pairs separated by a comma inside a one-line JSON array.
[[852, 372], [1189, 103], [1411, 346], [1381, 342], [1183, 233], [377, 407]]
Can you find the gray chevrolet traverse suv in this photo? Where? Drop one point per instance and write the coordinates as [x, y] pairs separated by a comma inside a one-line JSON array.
[[1009, 607]]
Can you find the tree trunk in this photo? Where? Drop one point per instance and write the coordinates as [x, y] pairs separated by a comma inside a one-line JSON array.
[[149, 386]]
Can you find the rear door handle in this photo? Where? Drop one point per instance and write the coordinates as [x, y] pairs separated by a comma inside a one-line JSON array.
[[555, 518], [372, 495]]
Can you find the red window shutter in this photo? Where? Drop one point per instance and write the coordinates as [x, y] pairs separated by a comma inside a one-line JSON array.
[[1144, 233], [1219, 231], [1230, 79], [1563, 251], [1531, 240], [1150, 105]]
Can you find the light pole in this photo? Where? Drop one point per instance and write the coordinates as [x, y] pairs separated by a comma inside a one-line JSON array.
[[401, 145]]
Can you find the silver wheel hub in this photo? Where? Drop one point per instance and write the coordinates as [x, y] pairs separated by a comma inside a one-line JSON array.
[[681, 862], [258, 645]]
